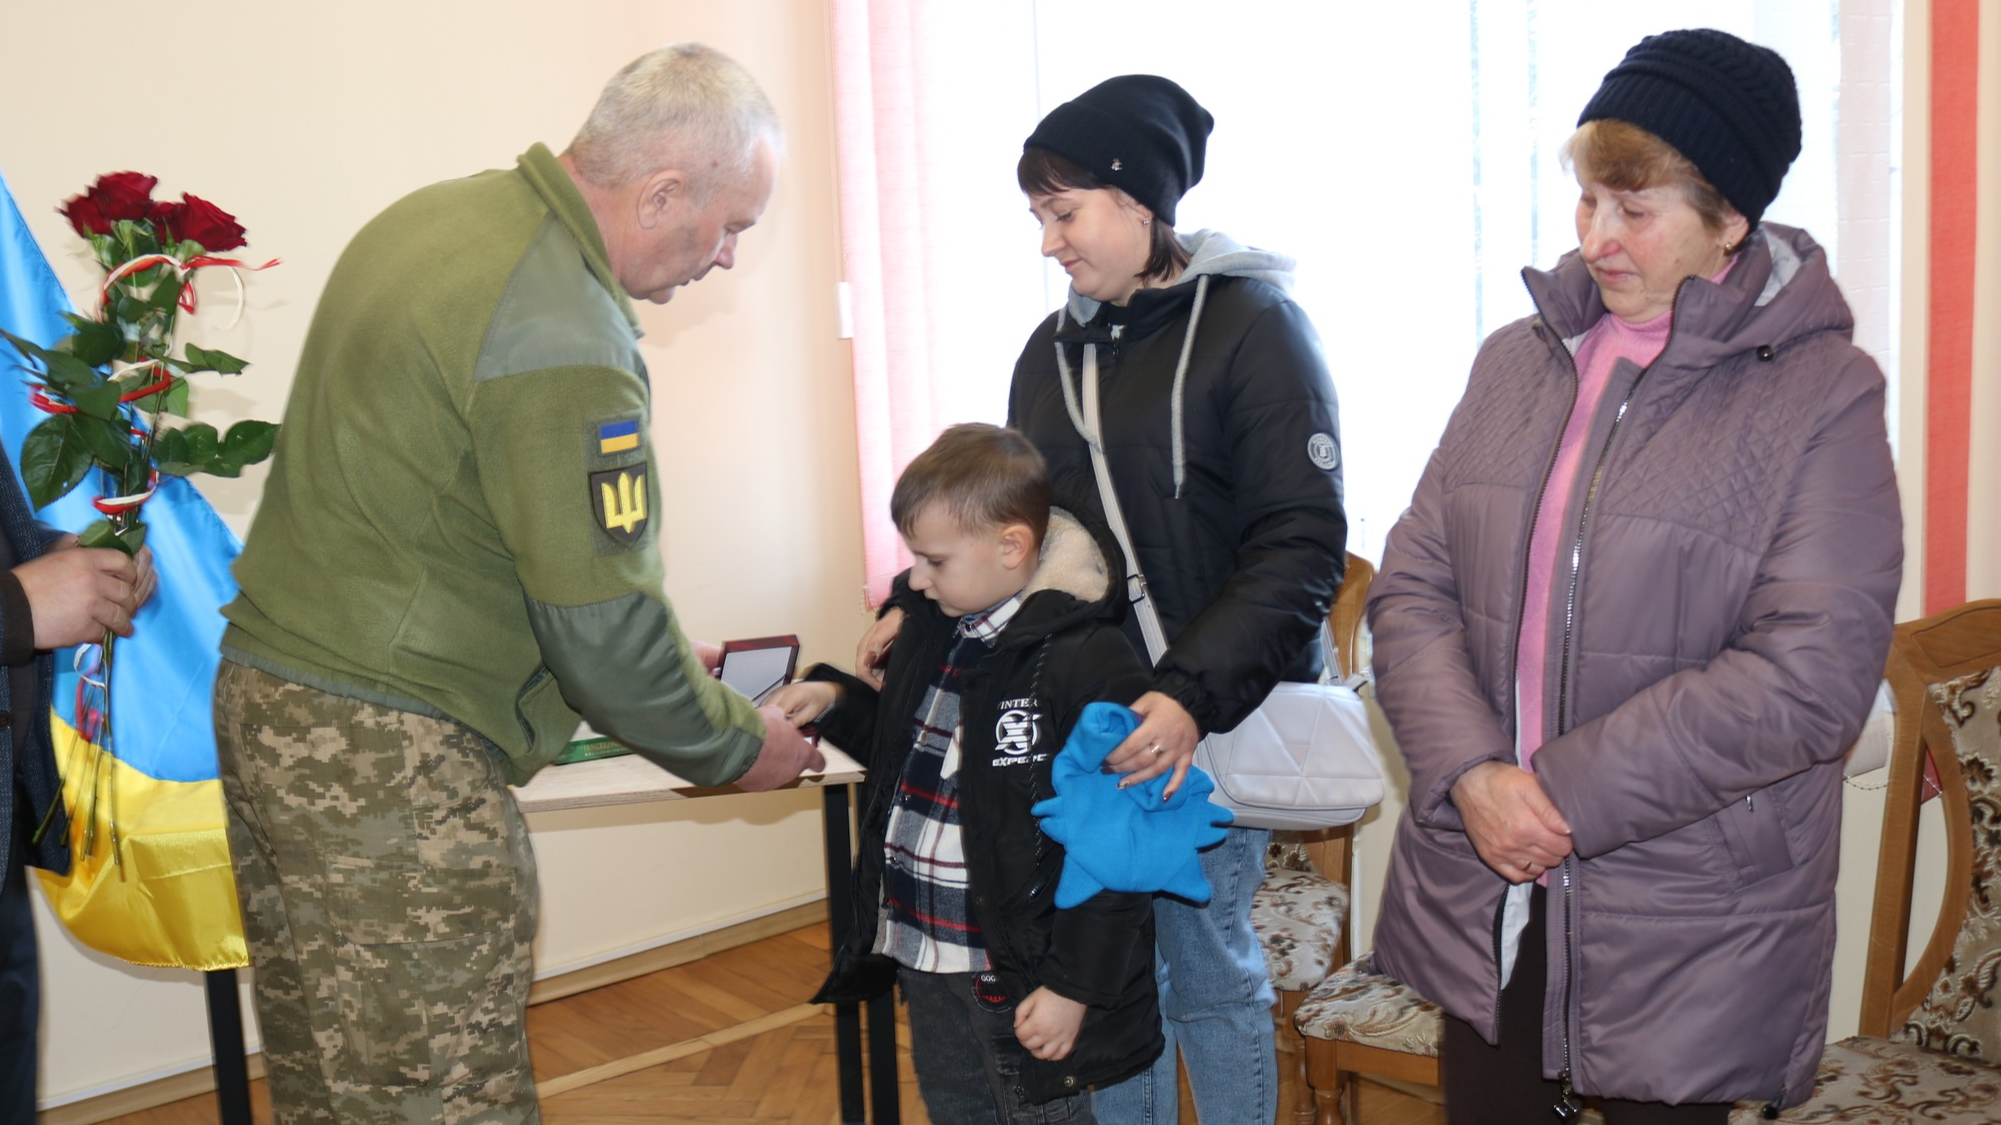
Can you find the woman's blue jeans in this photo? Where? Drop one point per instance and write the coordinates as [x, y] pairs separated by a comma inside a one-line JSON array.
[[1216, 1001]]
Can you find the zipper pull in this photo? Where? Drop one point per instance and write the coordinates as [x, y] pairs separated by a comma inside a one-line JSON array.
[[1749, 806], [1568, 1105]]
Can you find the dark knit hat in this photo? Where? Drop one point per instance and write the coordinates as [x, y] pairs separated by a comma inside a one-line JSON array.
[[1729, 106], [1137, 132]]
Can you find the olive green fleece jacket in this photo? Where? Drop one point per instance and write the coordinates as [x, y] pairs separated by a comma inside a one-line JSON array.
[[462, 514]]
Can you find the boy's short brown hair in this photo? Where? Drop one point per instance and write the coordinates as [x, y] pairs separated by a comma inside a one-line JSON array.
[[984, 476]]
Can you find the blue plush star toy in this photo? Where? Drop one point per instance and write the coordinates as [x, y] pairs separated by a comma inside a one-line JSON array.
[[1125, 839]]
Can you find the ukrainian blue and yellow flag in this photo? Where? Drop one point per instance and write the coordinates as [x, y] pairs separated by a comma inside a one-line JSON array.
[[170, 899], [617, 437]]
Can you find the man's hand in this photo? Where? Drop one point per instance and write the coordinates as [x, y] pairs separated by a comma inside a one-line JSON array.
[[77, 593], [872, 654], [710, 655], [1513, 824], [784, 756], [1047, 1024]]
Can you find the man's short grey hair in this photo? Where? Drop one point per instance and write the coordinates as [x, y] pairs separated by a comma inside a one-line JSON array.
[[684, 105]]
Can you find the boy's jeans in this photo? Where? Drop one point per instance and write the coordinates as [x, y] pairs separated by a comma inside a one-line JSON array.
[[1216, 998], [967, 1059]]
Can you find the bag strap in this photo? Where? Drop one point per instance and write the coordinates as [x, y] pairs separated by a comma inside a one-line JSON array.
[[1092, 430]]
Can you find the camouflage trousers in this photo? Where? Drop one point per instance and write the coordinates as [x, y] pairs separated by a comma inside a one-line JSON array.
[[389, 895]]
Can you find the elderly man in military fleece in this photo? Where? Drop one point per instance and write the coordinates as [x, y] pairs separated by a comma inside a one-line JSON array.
[[456, 556]]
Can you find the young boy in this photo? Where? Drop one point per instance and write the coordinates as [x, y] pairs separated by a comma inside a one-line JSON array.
[[1016, 1007]]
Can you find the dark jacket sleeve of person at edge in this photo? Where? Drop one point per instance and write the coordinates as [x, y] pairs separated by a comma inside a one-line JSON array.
[[27, 761], [1726, 555]]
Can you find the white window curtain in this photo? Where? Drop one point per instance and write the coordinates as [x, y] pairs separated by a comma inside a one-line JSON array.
[[1405, 154]]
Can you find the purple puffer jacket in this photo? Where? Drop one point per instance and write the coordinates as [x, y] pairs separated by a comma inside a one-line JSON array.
[[1739, 546]]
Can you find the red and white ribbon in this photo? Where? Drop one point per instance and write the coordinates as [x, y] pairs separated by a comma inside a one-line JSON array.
[[182, 270]]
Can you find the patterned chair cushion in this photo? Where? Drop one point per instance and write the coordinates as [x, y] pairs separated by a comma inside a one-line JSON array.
[[1298, 917], [1878, 1080], [1359, 1005], [1959, 1015]]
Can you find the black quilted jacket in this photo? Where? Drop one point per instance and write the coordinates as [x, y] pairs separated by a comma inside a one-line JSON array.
[[1242, 555]]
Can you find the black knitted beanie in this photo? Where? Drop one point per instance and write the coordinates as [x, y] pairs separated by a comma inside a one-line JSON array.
[[1137, 132], [1729, 106]]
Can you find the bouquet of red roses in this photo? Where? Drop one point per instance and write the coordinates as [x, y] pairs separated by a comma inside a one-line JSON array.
[[116, 393], [108, 387]]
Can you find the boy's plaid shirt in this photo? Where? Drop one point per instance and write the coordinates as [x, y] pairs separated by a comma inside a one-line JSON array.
[[927, 922]]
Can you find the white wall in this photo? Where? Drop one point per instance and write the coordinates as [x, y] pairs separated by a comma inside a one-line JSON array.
[[304, 120]]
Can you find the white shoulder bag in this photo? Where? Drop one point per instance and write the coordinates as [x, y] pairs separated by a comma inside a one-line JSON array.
[[1307, 757]]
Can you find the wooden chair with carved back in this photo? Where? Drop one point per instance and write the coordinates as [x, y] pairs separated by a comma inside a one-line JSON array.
[[1301, 912], [1930, 1038]]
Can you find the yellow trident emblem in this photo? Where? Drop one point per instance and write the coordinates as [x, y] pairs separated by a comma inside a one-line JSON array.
[[621, 501]]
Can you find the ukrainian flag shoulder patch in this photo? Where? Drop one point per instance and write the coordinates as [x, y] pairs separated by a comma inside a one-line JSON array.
[[618, 437]]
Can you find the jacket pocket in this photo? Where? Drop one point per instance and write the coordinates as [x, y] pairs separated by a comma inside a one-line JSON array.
[[1754, 838]]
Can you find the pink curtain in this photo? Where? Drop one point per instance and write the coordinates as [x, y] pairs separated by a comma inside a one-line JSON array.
[[931, 103], [882, 222]]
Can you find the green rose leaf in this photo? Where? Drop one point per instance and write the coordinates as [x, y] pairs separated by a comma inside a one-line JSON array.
[[53, 459], [170, 453], [95, 343], [202, 441], [211, 359], [109, 441], [28, 348], [101, 534], [98, 401], [173, 400], [247, 443], [187, 450], [68, 374], [167, 293], [127, 308]]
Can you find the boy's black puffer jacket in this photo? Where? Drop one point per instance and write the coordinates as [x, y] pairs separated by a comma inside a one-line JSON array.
[[1062, 649]]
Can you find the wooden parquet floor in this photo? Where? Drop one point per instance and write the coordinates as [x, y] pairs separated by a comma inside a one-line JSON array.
[[724, 1040]]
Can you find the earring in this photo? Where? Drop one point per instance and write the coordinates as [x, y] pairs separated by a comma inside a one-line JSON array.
[[1146, 222]]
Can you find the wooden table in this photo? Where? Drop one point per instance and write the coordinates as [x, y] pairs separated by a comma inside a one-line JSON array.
[[630, 779]]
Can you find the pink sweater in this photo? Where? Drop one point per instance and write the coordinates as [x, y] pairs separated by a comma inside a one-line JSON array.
[[1608, 342]]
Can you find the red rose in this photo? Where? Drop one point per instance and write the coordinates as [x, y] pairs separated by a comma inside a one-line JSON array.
[[124, 195], [161, 216], [197, 220], [82, 213]]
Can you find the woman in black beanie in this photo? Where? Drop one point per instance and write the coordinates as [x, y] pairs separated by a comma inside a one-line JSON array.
[[1633, 617], [1211, 395], [1207, 386]]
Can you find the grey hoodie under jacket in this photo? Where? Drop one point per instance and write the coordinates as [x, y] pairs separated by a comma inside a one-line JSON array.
[[1714, 647]]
